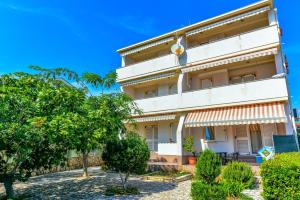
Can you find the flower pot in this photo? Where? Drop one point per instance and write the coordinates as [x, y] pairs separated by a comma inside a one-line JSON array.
[[192, 160]]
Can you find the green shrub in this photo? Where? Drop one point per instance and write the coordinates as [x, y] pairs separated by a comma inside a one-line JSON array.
[[204, 191], [239, 173], [281, 177], [208, 167], [232, 189], [126, 156]]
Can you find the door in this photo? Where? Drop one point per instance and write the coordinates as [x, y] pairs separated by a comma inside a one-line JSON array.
[[268, 131], [256, 139], [152, 137], [241, 139]]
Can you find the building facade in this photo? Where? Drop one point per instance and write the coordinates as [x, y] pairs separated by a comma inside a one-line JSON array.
[[228, 89]]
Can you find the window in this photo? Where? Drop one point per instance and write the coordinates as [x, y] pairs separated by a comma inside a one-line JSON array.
[[173, 89], [248, 77], [206, 83], [172, 135], [209, 133], [151, 93], [152, 137], [243, 78]]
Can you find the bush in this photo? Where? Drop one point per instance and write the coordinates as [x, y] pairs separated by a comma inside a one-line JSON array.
[[208, 167], [126, 156], [204, 191], [238, 173], [281, 177], [232, 189]]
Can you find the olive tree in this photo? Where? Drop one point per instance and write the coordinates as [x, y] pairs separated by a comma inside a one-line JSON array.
[[126, 155], [29, 104]]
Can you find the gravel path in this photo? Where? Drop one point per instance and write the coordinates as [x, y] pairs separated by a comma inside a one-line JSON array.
[[69, 185]]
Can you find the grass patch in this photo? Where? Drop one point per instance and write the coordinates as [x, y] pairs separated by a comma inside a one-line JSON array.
[[112, 191]]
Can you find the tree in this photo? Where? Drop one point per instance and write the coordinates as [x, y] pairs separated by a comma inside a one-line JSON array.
[[97, 118], [126, 156], [28, 106]]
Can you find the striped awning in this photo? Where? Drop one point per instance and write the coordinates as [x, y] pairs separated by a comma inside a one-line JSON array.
[[147, 46], [228, 21], [155, 118], [235, 59], [150, 78], [237, 115]]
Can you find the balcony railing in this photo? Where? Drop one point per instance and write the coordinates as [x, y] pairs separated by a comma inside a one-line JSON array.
[[260, 90], [257, 38]]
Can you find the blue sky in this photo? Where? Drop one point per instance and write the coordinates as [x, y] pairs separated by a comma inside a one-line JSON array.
[[84, 35]]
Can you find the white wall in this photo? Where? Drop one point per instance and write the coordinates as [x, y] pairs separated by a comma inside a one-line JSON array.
[[215, 96], [258, 38]]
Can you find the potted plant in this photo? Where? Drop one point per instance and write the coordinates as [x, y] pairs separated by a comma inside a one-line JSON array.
[[188, 145]]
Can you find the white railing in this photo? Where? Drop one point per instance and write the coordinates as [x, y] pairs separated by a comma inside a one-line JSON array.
[[167, 148], [267, 89], [249, 40], [146, 67]]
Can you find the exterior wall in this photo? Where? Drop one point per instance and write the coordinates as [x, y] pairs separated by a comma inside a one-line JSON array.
[[232, 94], [243, 42]]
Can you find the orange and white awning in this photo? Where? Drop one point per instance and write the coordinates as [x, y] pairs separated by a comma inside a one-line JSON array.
[[237, 115]]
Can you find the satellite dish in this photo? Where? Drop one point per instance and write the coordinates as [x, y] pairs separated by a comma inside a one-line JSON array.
[[177, 49]]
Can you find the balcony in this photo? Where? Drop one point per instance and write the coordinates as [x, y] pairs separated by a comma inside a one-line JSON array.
[[261, 90], [261, 37]]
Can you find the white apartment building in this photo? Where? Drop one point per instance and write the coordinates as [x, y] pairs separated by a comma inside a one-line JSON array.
[[228, 89]]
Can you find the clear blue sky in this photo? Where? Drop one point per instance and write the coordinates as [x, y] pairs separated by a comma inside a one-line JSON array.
[[84, 35]]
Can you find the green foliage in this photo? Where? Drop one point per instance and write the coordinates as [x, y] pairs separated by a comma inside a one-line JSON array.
[[204, 191], [281, 177], [126, 156], [29, 104], [97, 118], [208, 167], [111, 191], [188, 144], [232, 189], [238, 173]]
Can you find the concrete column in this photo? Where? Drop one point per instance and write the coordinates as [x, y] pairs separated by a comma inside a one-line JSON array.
[[272, 15], [179, 134], [180, 83], [123, 61]]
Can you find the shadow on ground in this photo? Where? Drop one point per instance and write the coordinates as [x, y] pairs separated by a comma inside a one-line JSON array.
[[70, 185]]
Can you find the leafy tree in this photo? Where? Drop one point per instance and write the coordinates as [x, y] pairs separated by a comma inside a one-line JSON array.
[[126, 156], [97, 118], [29, 104]]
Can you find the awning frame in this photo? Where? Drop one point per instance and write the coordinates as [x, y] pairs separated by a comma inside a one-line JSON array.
[[228, 21], [154, 118], [231, 60], [150, 78], [137, 49]]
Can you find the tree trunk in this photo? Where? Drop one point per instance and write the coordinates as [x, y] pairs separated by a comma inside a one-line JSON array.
[[85, 164], [124, 180], [8, 184]]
